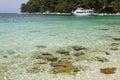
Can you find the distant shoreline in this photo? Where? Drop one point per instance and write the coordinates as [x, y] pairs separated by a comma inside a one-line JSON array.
[[96, 14], [107, 14], [47, 13]]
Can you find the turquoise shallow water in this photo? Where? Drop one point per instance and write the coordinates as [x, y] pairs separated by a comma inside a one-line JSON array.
[[24, 32]]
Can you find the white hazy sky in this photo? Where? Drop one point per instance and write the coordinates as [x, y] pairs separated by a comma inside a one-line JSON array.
[[11, 6]]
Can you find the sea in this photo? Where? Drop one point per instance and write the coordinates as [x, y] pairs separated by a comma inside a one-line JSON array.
[[23, 32]]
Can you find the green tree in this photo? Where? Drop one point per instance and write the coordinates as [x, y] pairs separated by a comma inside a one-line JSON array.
[[66, 6]]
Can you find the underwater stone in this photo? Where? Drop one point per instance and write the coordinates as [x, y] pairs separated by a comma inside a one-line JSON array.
[[37, 55], [107, 53], [78, 48], [114, 48], [63, 66], [41, 63], [116, 39], [50, 58], [68, 70], [61, 63], [11, 52], [108, 70], [82, 58], [114, 44], [5, 56], [45, 56], [102, 59], [104, 29], [41, 46], [79, 54], [62, 51], [33, 69], [67, 58]]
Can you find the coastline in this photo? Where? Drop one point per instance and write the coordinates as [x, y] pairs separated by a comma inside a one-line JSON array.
[[107, 14], [58, 13], [47, 13]]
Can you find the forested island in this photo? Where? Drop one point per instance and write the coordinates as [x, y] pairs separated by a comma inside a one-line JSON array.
[[66, 6]]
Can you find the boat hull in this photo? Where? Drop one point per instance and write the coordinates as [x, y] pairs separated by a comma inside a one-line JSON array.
[[82, 14]]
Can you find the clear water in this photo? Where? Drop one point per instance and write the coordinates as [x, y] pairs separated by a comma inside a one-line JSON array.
[[24, 32]]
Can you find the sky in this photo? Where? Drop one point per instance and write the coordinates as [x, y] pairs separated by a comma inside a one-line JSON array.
[[11, 6]]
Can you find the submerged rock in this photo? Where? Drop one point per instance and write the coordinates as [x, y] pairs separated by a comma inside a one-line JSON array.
[[107, 53], [40, 46], [63, 67], [33, 69], [61, 63], [82, 58], [45, 56], [67, 58], [11, 52], [104, 29], [40, 61], [51, 58], [101, 59], [63, 51], [78, 48], [79, 54], [70, 69], [114, 48], [115, 44], [108, 70], [5, 56], [116, 39]]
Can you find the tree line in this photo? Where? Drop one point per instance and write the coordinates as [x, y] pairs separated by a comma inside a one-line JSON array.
[[66, 6]]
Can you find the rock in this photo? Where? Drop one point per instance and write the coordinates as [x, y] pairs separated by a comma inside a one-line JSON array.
[[64, 70], [114, 48], [62, 51], [78, 48], [33, 69], [11, 52], [45, 56], [63, 67], [107, 53], [40, 61], [108, 70], [40, 46], [114, 44], [82, 58], [37, 55], [102, 59], [5, 56], [50, 58], [66, 58], [104, 29], [61, 63], [79, 54], [116, 39], [33, 31]]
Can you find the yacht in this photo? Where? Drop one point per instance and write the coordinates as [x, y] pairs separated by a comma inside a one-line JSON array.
[[82, 12]]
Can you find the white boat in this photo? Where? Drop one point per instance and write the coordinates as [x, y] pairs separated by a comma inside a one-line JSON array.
[[83, 12]]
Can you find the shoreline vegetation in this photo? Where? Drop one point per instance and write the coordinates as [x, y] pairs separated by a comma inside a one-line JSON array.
[[46, 13], [67, 6], [95, 14]]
